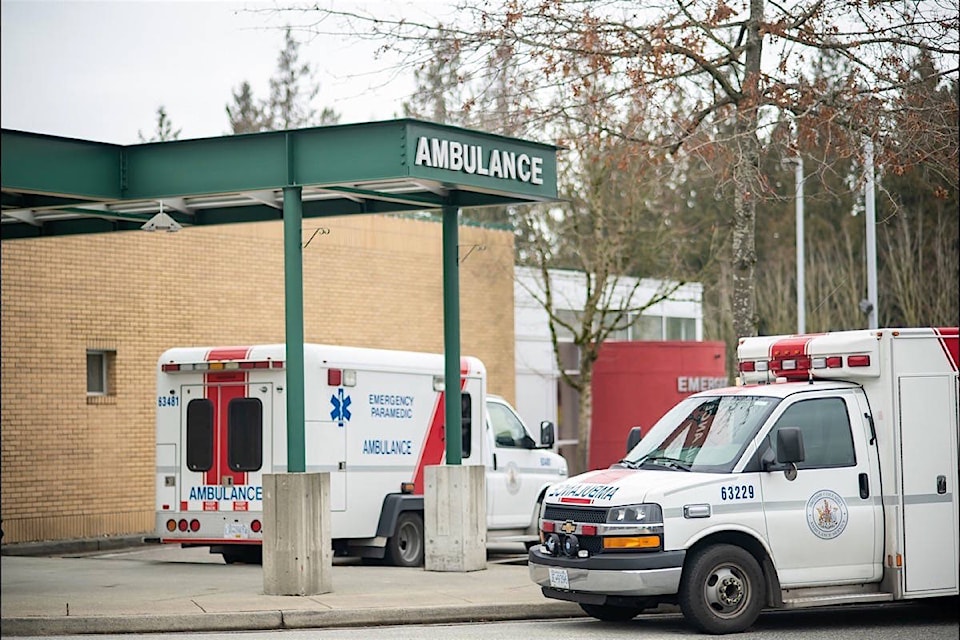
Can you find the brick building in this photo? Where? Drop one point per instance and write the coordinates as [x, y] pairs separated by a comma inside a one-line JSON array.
[[78, 442]]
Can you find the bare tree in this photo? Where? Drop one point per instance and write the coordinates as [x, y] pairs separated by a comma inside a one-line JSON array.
[[739, 67], [613, 231]]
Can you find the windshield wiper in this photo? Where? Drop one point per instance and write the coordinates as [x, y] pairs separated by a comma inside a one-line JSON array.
[[663, 461]]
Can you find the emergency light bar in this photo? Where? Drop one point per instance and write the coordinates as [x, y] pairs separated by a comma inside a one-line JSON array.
[[840, 356], [798, 368], [232, 365]]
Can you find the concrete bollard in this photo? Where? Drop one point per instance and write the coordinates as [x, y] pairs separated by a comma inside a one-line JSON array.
[[297, 552], [455, 518]]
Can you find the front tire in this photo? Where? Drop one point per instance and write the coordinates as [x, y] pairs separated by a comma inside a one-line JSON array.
[[722, 589], [405, 547], [611, 613]]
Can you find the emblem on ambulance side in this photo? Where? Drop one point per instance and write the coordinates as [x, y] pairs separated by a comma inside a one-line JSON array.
[[826, 514], [341, 407], [513, 479]]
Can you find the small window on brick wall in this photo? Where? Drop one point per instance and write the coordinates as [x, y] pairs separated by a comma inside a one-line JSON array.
[[100, 373]]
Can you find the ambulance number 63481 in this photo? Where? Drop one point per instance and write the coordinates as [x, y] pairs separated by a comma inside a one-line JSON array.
[[737, 492], [168, 401]]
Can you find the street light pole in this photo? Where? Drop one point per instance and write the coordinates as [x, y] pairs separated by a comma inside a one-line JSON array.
[[801, 286], [870, 308]]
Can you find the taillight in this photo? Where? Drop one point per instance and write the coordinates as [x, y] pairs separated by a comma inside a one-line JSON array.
[[171, 525], [182, 525], [255, 526], [194, 525]]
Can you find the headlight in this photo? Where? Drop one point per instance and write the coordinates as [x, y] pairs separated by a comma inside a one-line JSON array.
[[635, 514]]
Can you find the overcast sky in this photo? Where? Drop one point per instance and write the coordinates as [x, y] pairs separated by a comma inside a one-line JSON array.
[[99, 70]]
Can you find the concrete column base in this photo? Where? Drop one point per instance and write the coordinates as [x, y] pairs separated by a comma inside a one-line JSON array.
[[455, 518], [297, 552]]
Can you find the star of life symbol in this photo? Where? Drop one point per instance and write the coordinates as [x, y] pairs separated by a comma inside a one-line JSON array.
[[341, 407]]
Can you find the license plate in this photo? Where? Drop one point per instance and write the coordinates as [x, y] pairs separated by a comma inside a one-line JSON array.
[[559, 578], [235, 530]]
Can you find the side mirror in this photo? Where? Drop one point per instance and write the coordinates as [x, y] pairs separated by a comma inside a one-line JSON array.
[[789, 445], [636, 433], [547, 434]]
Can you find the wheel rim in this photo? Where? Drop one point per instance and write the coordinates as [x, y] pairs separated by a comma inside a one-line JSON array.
[[408, 542], [726, 591]]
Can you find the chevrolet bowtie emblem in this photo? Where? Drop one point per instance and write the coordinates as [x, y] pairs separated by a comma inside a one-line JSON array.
[[568, 527]]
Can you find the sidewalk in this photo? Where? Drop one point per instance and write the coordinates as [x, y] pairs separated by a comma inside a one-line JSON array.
[[162, 589]]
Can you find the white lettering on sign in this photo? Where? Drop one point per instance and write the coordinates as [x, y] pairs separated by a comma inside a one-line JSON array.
[[688, 384], [471, 158]]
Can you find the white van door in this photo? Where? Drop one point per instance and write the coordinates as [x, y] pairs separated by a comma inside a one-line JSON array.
[[226, 435], [928, 428], [515, 478], [824, 525]]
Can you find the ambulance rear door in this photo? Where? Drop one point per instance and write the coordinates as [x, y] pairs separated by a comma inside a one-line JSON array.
[[226, 434]]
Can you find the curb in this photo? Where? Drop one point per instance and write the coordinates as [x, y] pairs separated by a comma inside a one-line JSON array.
[[276, 620], [64, 547]]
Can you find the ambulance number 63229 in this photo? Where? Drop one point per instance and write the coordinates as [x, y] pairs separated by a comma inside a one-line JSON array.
[[737, 492], [168, 401]]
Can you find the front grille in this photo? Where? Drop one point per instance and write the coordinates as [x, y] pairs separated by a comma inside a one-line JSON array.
[[589, 515]]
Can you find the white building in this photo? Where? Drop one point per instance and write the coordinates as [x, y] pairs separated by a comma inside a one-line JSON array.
[[540, 394]]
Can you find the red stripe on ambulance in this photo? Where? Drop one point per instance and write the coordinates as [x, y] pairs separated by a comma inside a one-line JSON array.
[[221, 388], [950, 342], [433, 443]]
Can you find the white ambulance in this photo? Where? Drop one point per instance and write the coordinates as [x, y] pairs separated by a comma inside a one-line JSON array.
[[374, 419], [828, 477]]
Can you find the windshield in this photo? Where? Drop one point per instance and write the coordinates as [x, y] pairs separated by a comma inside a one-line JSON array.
[[705, 433]]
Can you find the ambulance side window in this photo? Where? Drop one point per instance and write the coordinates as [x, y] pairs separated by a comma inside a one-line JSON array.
[[245, 434], [507, 428], [199, 434], [466, 406], [827, 439]]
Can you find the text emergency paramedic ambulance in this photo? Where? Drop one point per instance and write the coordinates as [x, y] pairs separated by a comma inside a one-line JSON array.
[[374, 419], [829, 478]]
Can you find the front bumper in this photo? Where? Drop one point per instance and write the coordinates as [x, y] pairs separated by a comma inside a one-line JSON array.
[[614, 574]]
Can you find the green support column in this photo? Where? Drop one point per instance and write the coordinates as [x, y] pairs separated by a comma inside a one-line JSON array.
[[293, 298], [451, 335]]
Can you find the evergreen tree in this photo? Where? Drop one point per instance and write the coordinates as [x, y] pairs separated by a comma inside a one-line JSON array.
[[164, 130], [246, 115], [293, 91]]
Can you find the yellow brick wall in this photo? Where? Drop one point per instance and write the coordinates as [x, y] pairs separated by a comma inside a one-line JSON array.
[[74, 468]]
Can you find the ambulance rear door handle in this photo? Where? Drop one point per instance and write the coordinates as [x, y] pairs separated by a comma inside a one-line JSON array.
[[494, 462], [941, 484], [864, 486]]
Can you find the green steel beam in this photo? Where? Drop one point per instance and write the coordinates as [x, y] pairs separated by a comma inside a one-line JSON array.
[[35, 163], [437, 166], [338, 156], [293, 301], [451, 336]]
